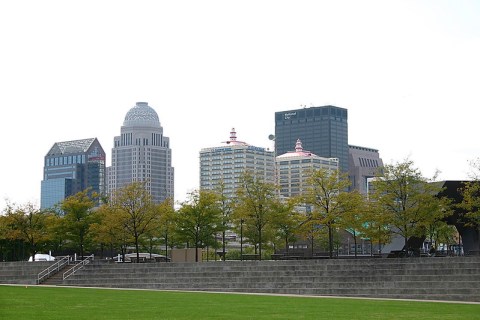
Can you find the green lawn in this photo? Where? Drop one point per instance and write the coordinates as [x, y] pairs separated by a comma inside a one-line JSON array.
[[32, 302]]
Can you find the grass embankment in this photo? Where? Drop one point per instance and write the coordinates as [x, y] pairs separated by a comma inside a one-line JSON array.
[[32, 302]]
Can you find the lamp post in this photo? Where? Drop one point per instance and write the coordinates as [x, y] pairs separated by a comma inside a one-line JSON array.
[[241, 239]]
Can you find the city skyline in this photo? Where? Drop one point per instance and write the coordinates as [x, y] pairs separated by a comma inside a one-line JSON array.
[[407, 72]]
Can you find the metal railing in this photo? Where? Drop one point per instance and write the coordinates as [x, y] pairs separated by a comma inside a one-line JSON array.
[[77, 267], [54, 268]]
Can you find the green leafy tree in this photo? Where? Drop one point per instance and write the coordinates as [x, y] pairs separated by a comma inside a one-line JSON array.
[[4, 242], [354, 215], [133, 207], [109, 230], [376, 226], [199, 219], [471, 198], [226, 207], [255, 205], [327, 197], [310, 230], [440, 232], [285, 222], [78, 218], [407, 199], [167, 223], [27, 223]]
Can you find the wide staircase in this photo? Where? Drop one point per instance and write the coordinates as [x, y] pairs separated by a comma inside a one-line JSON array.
[[22, 272], [446, 278]]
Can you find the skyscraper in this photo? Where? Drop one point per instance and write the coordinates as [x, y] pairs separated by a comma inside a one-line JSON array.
[[295, 167], [142, 154], [226, 164], [71, 167], [322, 130]]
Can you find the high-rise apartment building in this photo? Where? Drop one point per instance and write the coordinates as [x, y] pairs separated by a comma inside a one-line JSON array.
[[295, 167], [363, 165], [226, 164], [142, 154], [71, 167], [323, 131]]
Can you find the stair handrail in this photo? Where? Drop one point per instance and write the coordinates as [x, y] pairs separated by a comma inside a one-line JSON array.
[[54, 268], [77, 267]]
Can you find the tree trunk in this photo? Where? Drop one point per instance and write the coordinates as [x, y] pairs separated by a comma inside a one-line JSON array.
[[330, 241], [166, 247], [223, 248], [136, 248], [355, 242], [260, 244]]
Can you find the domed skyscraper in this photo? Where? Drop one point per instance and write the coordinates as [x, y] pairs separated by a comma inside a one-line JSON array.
[[142, 154]]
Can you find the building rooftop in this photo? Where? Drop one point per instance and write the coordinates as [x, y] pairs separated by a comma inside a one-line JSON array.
[[233, 139], [299, 152], [71, 147], [141, 115]]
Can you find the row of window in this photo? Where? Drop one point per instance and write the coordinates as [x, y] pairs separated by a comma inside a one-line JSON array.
[[65, 160], [368, 163]]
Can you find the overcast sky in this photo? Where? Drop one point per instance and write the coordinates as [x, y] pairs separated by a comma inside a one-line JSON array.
[[407, 71]]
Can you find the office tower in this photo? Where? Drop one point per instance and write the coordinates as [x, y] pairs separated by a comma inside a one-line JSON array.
[[226, 164], [71, 167], [363, 164], [142, 154], [295, 167], [323, 131]]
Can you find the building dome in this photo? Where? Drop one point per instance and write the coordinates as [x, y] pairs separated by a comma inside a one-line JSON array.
[[142, 115]]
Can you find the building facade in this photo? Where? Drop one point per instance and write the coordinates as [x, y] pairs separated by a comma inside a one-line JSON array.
[[363, 165], [142, 154], [228, 162], [295, 167], [323, 131], [71, 167]]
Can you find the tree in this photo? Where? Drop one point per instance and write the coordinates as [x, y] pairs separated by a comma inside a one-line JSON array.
[[255, 203], [407, 199], [108, 230], [353, 217], [376, 226], [199, 219], [78, 217], [327, 197], [286, 221], [471, 198], [134, 208], [167, 222], [3, 238], [226, 208], [27, 223]]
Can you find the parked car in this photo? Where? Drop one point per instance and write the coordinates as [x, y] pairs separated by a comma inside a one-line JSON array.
[[42, 257]]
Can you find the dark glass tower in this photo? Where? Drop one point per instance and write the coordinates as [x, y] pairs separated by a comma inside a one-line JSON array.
[[323, 131], [71, 167]]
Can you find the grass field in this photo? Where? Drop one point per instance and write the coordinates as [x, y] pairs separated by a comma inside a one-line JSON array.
[[32, 302]]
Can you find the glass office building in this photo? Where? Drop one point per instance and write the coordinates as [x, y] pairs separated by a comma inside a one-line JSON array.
[[142, 154], [71, 167], [322, 130]]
